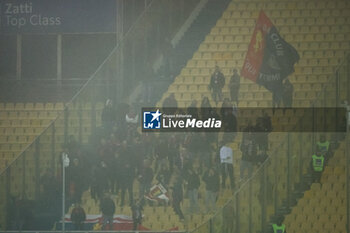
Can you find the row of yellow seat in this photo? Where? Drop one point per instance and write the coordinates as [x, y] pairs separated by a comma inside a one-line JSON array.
[[323, 206], [287, 14], [288, 5], [45, 106], [31, 106]]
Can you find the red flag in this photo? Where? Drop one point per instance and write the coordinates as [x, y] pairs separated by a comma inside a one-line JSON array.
[[255, 54], [269, 59]]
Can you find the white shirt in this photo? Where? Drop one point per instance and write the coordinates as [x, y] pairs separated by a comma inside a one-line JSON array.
[[226, 155]]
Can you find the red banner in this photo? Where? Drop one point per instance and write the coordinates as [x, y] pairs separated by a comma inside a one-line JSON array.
[[255, 54]]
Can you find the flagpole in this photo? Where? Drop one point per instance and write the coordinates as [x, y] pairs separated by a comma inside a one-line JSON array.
[[65, 163]]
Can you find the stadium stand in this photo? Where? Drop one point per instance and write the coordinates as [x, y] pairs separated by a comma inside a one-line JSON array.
[[319, 30]]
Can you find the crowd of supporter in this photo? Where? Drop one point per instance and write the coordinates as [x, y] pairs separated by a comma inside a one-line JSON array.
[[118, 155]]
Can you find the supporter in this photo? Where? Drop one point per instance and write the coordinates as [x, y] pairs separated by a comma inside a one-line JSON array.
[[127, 172], [13, 215], [145, 178], [107, 207], [116, 165], [122, 129], [205, 102], [105, 150], [234, 86], [317, 166], [75, 180], [192, 109], [205, 107], [192, 144], [266, 122], [212, 187], [229, 119], [205, 151], [193, 183], [163, 176], [50, 186], [287, 96], [132, 120], [323, 146], [226, 104], [261, 157], [170, 101], [148, 142], [108, 116], [249, 150], [277, 95], [226, 161], [72, 146], [173, 151], [217, 82], [263, 128], [138, 151], [99, 181], [78, 217], [161, 152], [177, 196], [26, 217], [136, 210]]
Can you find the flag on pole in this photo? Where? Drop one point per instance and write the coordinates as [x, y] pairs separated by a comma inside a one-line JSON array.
[[270, 59], [157, 193]]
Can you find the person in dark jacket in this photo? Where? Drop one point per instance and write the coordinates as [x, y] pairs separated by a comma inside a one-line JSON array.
[[217, 82], [263, 128], [170, 102], [177, 196], [99, 180], [75, 177], [212, 186], [163, 176], [127, 172], [287, 97], [136, 210], [249, 151], [108, 116], [78, 217], [107, 207], [193, 183], [145, 178], [234, 86], [192, 109]]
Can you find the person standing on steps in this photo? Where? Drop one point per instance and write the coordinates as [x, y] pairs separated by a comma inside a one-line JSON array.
[[287, 97], [217, 82], [317, 166], [226, 160], [234, 86]]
